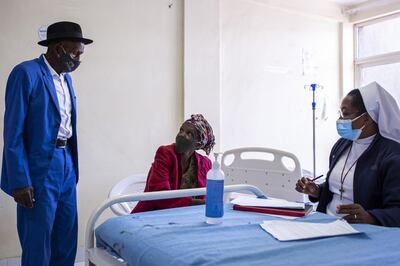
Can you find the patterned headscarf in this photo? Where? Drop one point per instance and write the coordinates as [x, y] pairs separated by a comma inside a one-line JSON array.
[[207, 139]]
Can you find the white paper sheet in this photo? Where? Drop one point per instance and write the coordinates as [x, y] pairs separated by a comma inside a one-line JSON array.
[[291, 230], [271, 203]]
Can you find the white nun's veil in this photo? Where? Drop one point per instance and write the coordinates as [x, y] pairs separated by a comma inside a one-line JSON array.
[[383, 109]]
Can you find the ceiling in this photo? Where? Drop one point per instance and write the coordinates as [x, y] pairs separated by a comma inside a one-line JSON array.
[[348, 3]]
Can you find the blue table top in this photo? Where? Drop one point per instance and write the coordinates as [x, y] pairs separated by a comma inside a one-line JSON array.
[[180, 236]]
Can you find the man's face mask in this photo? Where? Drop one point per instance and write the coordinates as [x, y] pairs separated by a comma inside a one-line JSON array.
[[68, 60], [345, 129]]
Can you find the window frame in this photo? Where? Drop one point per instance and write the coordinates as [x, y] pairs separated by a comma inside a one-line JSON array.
[[375, 60]]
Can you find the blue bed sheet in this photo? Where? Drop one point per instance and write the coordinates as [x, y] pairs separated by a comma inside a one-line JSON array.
[[181, 237]]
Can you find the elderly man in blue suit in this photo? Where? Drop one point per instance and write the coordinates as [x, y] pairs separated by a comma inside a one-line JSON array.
[[40, 155]]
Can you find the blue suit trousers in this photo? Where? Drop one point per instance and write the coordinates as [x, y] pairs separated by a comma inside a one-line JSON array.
[[48, 231]]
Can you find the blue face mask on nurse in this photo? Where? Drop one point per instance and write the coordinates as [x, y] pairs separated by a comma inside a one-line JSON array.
[[345, 128], [352, 121]]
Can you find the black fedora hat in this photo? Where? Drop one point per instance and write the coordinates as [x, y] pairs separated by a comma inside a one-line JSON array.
[[64, 30]]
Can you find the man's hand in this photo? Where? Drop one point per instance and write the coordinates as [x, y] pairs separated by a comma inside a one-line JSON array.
[[356, 214], [24, 196], [307, 186]]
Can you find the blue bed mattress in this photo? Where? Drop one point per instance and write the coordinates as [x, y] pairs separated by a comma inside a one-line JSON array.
[[181, 237]]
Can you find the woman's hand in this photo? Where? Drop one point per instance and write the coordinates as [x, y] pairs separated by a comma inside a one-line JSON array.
[[197, 201], [356, 214], [306, 186]]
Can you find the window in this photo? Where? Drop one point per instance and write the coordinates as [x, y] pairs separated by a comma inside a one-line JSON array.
[[377, 53]]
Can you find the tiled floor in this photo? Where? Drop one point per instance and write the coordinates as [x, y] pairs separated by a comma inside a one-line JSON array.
[[10, 262], [80, 257], [16, 262]]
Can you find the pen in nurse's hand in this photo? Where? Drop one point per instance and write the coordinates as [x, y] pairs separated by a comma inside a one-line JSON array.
[[317, 177]]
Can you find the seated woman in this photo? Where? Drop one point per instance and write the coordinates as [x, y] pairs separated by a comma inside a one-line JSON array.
[[363, 181], [178, 166]]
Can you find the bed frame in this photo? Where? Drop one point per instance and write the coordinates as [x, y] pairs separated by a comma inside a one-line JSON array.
[[100, 257]]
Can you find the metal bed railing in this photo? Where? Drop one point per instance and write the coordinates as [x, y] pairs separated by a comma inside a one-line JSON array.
[[157, 195]]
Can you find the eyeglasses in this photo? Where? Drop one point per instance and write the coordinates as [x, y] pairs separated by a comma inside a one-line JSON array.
[[341, 116]]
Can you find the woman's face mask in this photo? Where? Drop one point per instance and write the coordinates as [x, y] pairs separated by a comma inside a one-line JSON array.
[[186, 140], [68, 60], [345, 129], [183, 144]]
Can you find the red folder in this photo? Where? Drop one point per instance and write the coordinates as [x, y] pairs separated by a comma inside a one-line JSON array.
[[275, 211]]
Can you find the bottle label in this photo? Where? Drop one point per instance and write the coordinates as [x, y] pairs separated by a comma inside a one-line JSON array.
[[215, 198]]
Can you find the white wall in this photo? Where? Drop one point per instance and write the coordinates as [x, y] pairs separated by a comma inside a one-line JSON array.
[[263, 100], [129, 87], [202, 62]]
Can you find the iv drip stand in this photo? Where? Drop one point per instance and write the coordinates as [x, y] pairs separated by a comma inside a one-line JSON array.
[[313, 87]]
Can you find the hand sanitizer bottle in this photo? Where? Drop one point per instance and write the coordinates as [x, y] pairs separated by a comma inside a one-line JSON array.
[[215, 193]]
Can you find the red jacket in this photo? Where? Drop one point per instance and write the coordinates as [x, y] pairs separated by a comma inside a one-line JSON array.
[[166, 174]]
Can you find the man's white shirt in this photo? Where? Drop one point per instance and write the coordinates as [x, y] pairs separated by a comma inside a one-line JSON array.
[[64, 102]]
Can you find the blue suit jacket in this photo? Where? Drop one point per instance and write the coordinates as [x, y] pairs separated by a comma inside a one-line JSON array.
[[31, 122], [376, 183]]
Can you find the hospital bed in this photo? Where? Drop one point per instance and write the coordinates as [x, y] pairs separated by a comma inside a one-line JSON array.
[[101, 256], [181, 237]]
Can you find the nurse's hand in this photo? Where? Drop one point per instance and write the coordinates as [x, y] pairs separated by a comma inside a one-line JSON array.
[[24, 196], [356, 214], [306, 186]]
